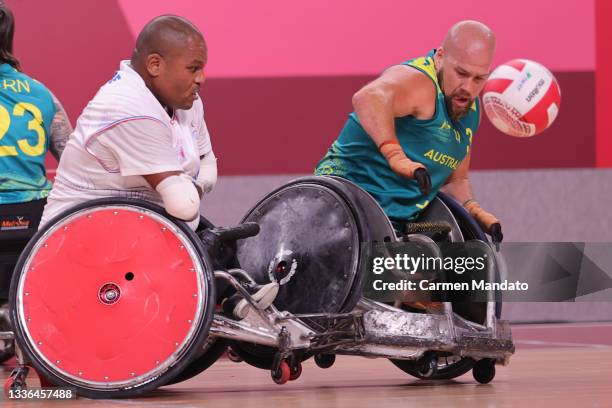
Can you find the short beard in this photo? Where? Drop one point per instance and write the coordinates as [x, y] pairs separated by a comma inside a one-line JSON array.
[[448, 101], [456, 114]]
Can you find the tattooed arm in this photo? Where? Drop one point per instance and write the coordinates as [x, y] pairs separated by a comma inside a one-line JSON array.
[[60, 129]]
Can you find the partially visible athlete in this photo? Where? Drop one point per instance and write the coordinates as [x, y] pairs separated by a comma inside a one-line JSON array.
[[411, 132], [32, 123]]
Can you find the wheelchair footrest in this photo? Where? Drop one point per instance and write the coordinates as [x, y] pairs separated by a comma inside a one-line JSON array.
[[477, 346], [387, 327], [435, 332]]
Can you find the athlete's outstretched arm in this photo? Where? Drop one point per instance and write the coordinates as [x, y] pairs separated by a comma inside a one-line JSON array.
[[399, 91], [60, 129], [459, 187]]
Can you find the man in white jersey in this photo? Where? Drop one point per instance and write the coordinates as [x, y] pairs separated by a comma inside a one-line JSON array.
[[143, 135]]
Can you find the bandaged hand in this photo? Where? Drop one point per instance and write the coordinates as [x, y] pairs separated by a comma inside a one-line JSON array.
[[180, 197], [207, 176], [487, 221], [403, 166]]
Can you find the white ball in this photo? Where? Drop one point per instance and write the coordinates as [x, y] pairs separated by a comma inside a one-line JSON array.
[[521, 98]]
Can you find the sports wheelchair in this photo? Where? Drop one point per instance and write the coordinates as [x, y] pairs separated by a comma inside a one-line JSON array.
[[116, 298]]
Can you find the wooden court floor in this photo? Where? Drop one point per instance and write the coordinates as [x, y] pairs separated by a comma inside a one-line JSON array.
[[554, 366]]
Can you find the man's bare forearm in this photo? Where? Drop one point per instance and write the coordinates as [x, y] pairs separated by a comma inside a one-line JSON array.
[[459, 189]]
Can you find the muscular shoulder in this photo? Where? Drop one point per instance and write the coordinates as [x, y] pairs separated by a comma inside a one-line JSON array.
[[414, 93]]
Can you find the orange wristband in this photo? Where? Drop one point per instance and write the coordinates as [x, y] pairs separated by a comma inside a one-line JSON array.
[[386, 142], [397, 159]]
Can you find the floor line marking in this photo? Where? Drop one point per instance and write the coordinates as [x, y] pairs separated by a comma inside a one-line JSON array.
[[560, 343]]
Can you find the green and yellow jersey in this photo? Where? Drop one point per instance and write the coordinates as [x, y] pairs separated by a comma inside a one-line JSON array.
[[26, 113], [440, 143]]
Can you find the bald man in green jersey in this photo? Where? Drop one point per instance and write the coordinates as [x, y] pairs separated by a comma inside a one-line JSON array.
[[411, 132]]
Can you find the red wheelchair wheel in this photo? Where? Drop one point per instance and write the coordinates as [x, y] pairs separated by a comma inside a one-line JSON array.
[[112, 298]]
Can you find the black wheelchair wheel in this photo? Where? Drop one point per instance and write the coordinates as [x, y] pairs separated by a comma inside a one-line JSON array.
[[311, 231], [212, 350], [449, 367], [7, 349], [254, 354], [445, 370], [470, 229]]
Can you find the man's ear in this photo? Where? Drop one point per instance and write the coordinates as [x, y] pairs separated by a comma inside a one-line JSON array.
[[154, 64], [438, 56]]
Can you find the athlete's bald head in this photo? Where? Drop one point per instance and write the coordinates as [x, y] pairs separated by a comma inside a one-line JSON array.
[[463, 63], [170, 55], [470, 41], [165, 35]]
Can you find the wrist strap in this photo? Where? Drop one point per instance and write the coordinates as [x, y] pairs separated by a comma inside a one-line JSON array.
[[469, 201], [386, 142]]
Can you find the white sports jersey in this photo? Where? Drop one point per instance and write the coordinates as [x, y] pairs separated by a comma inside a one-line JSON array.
[[123, 134]]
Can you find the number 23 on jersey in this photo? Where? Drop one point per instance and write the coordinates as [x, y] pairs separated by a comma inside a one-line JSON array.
[[35, 125]]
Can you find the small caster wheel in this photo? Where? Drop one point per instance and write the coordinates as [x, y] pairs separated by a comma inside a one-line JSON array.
[[12, 384], [484, 371], [16, 381], [282, 374], [233, 356], [325, 360], [295, 371], [427, 365]]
